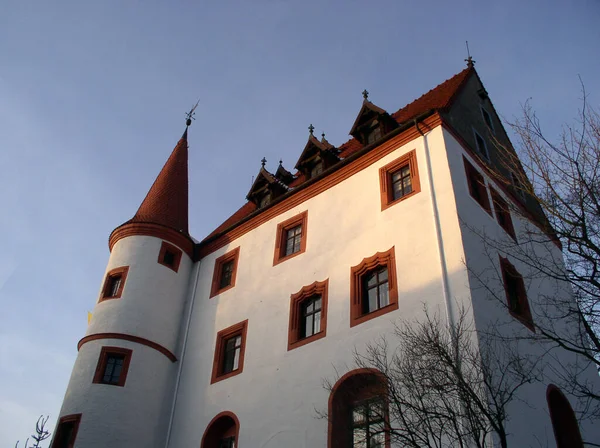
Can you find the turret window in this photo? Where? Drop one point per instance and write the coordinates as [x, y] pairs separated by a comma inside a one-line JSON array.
[[225, 272], [66, 431], [229, 352], [114, 283], [265, 200], [316, 169], [169, 256], [373, 135], [113, 365], [291, 238]]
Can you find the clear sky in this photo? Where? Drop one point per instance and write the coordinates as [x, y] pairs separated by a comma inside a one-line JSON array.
[[92, 101]]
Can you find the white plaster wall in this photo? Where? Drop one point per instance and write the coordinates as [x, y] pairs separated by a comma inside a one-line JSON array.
[[529, 423], [276, 395], [130, 416], [151, 307]]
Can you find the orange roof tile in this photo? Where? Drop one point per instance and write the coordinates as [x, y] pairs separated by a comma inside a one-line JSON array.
[[167, 200], [437, 98]]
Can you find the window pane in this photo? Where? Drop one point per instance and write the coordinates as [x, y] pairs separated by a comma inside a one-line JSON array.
[[372, 294], [297, 242], [371, 279], [289, 248], [359, 438], [383, 274], [384, 295], [317, 321], [236, 358], [358, 415], [317, 304], [308, 325], [407, 184]]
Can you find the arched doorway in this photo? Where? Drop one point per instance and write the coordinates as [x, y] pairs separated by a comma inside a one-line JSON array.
[[358, 411], [222, 431], [564, 423]]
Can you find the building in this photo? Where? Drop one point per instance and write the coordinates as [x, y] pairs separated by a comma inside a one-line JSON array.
[[225, 342]]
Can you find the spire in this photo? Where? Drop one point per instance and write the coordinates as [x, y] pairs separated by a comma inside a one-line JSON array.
[[166, 203]]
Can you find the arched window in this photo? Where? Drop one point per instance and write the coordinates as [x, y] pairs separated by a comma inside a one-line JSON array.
[[358, 411], [564, 423], [222, 431]]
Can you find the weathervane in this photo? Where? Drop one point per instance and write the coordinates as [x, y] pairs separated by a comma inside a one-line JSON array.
[[311, 128], [365, 94], [470, 62], [263, 161], [191, 113]]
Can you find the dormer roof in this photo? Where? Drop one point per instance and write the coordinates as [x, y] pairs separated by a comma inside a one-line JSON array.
[[366, 113], [265, 182], [314, 146]]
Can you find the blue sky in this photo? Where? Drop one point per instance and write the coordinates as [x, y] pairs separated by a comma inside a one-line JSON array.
[[92, 101]]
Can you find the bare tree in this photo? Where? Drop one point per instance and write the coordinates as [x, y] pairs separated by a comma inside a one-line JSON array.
[[446, 385], [556, 185], [41, 434]]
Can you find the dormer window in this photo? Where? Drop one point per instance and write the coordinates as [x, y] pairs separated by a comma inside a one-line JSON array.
[[316, 169], [265, 200], [373, 134]]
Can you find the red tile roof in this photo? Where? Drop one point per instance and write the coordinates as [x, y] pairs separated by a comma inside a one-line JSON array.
[[167, 201], [437, 98]]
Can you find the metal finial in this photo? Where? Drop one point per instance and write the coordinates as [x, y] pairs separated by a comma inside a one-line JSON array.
[[263, 162], [191, 113], [323, 135], [280, 162], [365, 94], [311, 128], [470, 62]]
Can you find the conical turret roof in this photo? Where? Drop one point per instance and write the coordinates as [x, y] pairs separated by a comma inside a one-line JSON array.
[[166, 203]]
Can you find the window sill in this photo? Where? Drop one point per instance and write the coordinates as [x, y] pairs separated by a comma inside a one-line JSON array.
[[385, 206], [373, 314], [307, 340], [287, 257]]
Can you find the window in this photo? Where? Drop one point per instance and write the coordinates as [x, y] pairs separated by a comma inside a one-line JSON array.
[[308, 314], [477, 186], [228, 442], [66, 431], [290, 238], [265, 200], [368, 423], [114, 283], [316, 169], [373, 290], [358, 411], [488, 119], [112, 367], [225, 272], [481, 146], [503, 213], [518, 186], [399, 180], [222, 431], [169, 256], [516, 296], [373, 134], [564, 422], [229, 352]]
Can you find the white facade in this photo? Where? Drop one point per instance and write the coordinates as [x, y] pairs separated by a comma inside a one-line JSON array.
[[276, 394]]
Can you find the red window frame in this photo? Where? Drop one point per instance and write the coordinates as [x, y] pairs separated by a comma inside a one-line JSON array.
[[232, 255], [295, 339], [503, 216], [385, 179], [239, 329], [75, 420], [110, 275], [105, 353], [524, 316], [282, 229], [166, 247], [357, 273], [477, 187]]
